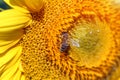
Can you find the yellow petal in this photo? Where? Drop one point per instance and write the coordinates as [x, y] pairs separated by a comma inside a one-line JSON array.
[[22, 77], [3, 43], [10, 36], [12, 18], [14, 60], [9, 72], [5, 58], [17, 4], [17, 75], [9, 39], [34, 5], [11, 24], [31, 5], [3, 49], [20, 65]]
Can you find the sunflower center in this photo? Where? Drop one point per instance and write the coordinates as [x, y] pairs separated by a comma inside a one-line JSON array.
[[87, 40]]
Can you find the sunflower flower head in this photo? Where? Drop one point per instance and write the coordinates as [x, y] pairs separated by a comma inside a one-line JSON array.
[[60, 40]]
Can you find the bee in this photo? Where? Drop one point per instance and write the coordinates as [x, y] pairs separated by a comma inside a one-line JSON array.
[[65, 43]]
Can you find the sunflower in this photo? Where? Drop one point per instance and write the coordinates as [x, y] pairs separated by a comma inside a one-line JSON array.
[[60, 40]]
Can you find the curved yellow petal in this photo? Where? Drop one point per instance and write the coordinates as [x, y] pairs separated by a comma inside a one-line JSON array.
[[12, 18], [24, 5], [17, 75], [10, 61], [8, 36], [14, 60], [17, 4], [34, 5], [4, 59], [11, 29], [3, 49], [3, 43], [11, 24], [9, 39], [22, 77], [20, 66], [9, 72]]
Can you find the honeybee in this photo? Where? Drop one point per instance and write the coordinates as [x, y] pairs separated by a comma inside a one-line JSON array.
[[65, 43]]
